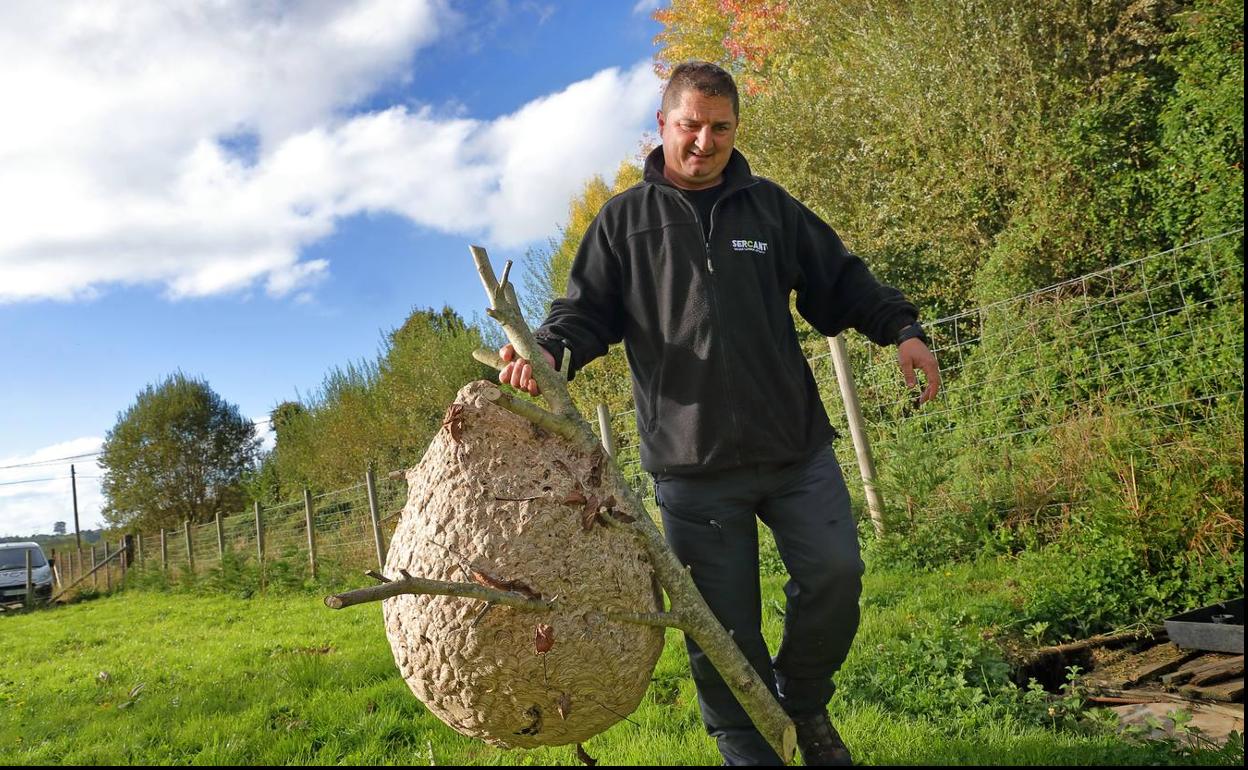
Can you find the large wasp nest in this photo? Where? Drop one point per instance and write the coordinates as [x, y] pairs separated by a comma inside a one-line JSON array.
[[501, 503]]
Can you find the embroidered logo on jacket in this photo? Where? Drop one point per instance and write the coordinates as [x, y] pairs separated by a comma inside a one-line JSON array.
[[759, 247]]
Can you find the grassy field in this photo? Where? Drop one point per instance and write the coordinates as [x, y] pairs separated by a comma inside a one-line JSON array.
[[160, 677]]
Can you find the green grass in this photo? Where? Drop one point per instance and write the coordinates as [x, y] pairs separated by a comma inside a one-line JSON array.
[[280, 679]]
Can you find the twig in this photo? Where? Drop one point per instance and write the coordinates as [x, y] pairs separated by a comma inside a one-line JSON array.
[[419, 586], [656, 619], [506, 310], [557, 424], [489, 358]]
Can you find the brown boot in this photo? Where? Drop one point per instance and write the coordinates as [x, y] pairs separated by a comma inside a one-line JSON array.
[[819, 742]]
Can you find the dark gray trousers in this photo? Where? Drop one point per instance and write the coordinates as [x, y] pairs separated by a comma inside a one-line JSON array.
[[709, 523]]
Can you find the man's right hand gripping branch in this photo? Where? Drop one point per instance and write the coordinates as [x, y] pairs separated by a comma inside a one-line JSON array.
[[518, 373]]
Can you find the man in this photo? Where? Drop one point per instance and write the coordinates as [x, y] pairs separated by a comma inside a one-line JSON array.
[[693, 269]]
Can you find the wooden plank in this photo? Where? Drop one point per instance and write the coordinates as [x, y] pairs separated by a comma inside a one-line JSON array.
[[1227, 692], [1170, 663], [1188, 669], [1227, 669], [1137, 696], [1207, 664]]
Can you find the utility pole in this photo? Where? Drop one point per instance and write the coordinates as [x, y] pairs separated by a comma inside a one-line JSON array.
[[73, 485]]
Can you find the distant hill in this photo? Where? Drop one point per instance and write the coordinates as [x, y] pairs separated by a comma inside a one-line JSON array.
[[59, 542]]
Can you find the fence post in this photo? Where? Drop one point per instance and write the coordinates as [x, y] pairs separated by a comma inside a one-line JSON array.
[[604, 428], [164, 550], [108, 570], [371, 482], [220, 538], [138, 541], [127, 554], [307, 510], [55, 569], [73, 484], [30, 581], [857, 429], [95, 577], [259, 534], [190, 552], [260, 542]]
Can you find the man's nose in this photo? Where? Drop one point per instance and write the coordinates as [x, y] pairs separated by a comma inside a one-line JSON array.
[[706, 139]]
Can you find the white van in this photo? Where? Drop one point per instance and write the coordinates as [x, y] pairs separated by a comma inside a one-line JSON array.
[[13, 572]]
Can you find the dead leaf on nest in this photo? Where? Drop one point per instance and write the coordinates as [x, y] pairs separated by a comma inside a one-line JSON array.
[[481, 577], [454, 421], [544, 638]]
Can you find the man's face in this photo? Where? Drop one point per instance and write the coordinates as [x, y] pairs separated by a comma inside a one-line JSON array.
[[697, 139]]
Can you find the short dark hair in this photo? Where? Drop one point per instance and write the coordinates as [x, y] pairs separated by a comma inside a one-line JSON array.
[[705, 78]]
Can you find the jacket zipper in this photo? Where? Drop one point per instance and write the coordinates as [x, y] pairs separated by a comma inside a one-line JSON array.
[[724, 348], [723, 358], [710, 268]]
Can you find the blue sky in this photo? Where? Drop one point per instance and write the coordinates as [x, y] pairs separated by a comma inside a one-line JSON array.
[[255, 194]]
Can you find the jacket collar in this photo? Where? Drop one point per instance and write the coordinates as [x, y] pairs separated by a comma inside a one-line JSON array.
[[737, 173]]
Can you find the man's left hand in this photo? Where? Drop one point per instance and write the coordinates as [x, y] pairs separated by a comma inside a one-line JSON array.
[[913, 354]]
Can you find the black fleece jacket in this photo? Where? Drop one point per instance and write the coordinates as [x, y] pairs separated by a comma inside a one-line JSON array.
[[719, 379]]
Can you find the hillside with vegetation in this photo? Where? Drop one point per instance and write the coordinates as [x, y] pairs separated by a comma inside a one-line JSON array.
[[974, 152]]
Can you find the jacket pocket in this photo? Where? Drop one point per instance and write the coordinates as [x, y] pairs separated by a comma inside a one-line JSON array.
[[650, 419]]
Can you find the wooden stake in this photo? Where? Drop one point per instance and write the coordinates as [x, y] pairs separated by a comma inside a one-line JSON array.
[[371, 482], [259, 534], [604, 430], [858, 430], [190, 552], [307, 510]]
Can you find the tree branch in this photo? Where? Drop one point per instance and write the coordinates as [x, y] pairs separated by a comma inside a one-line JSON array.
[[657, 619], [489, 358], [689, 610], [506, 310], [418, 586], [557, 424]]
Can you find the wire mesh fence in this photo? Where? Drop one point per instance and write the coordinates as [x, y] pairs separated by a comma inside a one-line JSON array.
[[1146, 350], [273, 541], [1149, 349]]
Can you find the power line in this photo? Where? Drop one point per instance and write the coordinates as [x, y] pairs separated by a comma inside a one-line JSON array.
[[51, 461], [32, 481]]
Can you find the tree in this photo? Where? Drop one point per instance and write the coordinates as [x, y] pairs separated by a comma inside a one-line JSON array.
[[178, 453], [58, 528], [975, 150], [381, 412]]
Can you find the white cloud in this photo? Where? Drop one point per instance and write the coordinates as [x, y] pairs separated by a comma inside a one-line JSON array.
[[646, 6], [201, 148], [29, 505]]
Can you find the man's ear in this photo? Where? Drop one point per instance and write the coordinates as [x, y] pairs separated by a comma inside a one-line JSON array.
[[659, 117]]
